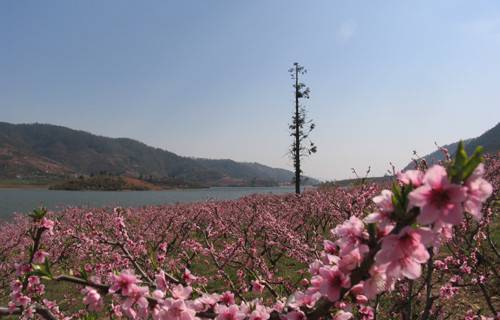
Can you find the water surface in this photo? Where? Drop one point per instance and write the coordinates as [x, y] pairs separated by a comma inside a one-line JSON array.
[[25, 200]]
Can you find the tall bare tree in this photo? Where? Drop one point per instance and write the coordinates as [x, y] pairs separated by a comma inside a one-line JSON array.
[[301, 127]]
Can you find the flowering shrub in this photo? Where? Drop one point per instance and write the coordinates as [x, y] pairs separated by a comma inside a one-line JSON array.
[[395, 256]]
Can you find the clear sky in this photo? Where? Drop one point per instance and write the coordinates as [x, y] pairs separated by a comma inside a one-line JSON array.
[[209, 78]]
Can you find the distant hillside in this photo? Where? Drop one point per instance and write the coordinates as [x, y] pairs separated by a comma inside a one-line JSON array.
[[40, 150], [490, 141]]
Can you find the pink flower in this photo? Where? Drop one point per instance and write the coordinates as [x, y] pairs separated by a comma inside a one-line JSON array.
[[331, 280], [22, 268], [342, 315], [47, 224], [92, 299], [478, 190], [350, 233], [161, 282], [260, 313], [136, 297], [20, 300], [437, 198], [39, 257], [124, 283], [175, 310], [296, 315], [447, 291], [377, 283], [307, 299], [329, 247], [358, 292], [257, 286], [227, 298], [413, 177], [366, 313], [402, 254], [33, 280], [315, 266], [210, 299], [11, 306], [181, 292], [353, 259], [385, 206], [384, 201], [188, 277], [228, 313], [16, 286]]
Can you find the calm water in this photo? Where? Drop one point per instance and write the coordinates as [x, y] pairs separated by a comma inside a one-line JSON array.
[[17, 200]]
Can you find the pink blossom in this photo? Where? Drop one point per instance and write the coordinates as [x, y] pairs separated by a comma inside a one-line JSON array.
[[16, 286], [181, 292], [478, 190], [307, 299], [331, 281], [366, 313], [296, 315], [227, 298], [350, 233], [161, 282], [329, 247], [342, 315], [22, 268], [20, 300], [39, 257], [259, 313], [353, 259], [33, 281], [136, 297], [385, 206], [447, 291], [384, 201], [188, 277], [402, 254], [92, 299], [413, 177], [124, 283], [279, 306], [315, 266], [175, 310], [257, 286], [11, 306], [377, 283], [437, 198], [231, 312], [212, 299], [47, 224]]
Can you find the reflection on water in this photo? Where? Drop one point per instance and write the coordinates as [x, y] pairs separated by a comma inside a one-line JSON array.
[[25, 200]]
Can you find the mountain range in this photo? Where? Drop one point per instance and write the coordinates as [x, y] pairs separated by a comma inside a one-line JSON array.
[[44, 151], [490, 141]]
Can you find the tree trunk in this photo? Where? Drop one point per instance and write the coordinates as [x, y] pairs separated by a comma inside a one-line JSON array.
[[297, 133]]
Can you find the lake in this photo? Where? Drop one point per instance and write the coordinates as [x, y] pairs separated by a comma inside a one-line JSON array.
[[25, 200]]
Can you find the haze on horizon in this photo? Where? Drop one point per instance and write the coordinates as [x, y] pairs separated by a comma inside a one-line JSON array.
[[209, 78]]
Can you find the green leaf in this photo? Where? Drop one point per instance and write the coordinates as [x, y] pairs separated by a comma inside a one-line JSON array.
[[472, 164], [38, 213], [42, 270], [460, 156], [84, 273], [457, 165]]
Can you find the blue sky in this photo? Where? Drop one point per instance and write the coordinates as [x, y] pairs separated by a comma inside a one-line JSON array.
[[209, 78]]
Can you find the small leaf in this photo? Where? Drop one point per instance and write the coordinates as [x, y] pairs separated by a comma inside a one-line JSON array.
[[460, 156], [38, 213], [472, 164]]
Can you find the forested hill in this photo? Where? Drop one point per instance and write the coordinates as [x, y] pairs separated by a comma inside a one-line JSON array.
[[43, 150], [490, 141]]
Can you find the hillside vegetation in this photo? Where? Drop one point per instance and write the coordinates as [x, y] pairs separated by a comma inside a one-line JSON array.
[[31, 151]]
